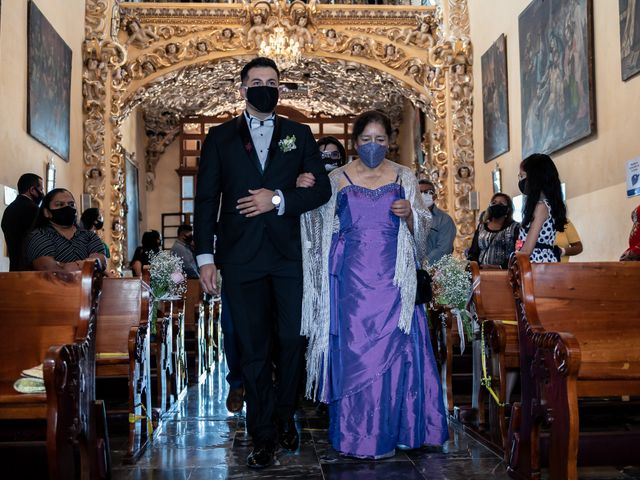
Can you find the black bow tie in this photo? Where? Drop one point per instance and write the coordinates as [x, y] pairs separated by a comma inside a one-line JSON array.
[[256, 122]]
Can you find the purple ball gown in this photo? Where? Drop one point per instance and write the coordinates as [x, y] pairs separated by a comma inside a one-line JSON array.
[[384, 385]]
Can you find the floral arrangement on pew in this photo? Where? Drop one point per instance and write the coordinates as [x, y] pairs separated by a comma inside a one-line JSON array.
[[451, 283], [167, 280]]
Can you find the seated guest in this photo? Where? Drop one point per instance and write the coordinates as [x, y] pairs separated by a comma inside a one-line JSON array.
[[56, 243], [151, 242], [633, 252], [495, 237], [568, 243], [183, 248], [91, 219]]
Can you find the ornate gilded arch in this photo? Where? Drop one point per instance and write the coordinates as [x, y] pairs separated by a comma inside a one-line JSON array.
[[422, 54]]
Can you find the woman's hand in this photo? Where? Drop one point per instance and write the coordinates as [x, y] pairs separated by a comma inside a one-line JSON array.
[[305, 180], [401, 208]]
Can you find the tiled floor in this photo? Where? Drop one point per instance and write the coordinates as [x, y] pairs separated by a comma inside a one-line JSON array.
[[202, 441]]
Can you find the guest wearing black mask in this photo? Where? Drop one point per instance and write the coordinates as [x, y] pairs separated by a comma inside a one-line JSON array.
[[183, 248], [92, 219], [19, 217], [57, 243], [495, 238]]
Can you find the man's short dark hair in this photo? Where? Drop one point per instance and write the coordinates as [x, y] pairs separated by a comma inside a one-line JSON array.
[[255, 63], [184, 228], [28, 180], [427, 182]]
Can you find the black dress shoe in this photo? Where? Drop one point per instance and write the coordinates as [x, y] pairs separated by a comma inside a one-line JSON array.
[[288, 435], [261, 457]]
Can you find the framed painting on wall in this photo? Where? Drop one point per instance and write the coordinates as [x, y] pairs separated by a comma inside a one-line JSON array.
[[495, 104], [629, 37], [556, 74], [49, 84]]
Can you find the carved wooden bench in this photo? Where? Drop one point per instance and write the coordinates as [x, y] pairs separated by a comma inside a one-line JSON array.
[[579, 332], [123, 351], [194, 330], [161, 352], [50, 318], [496, 312]]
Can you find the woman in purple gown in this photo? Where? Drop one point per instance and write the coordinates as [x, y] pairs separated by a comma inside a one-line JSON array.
[[369, 354]]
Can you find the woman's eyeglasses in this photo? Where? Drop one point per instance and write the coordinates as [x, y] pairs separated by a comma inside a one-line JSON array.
[[335, 155]]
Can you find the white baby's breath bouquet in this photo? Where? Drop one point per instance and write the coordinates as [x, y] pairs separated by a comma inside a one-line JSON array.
[[167, 275], [451, 283], [167, 279]]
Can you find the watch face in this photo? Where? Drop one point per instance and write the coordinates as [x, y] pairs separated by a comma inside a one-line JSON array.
[[275, 200]]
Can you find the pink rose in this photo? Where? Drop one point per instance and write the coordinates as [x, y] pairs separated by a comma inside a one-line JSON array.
[[177, 277]]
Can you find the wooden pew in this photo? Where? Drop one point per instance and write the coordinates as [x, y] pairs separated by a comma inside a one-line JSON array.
[[123, 351], [579, 331], [50, 318], [194, 330], [161, 352], [209, 310], [496, 312], [179, 357]]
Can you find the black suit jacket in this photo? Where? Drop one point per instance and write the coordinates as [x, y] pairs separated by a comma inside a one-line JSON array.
[[17, 221], [229, 166]]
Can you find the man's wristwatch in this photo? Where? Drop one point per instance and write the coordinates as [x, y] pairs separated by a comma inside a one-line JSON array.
[[276, 200]]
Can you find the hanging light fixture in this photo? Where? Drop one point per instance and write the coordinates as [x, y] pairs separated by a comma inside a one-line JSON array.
[[282, 49]]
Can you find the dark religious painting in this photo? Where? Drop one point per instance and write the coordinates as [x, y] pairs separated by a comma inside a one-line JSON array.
[[629, 37], [556, 74], [495, 104], [49, 88]]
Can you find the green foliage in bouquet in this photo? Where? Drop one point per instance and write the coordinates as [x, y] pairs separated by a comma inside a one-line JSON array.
[[451, 283]]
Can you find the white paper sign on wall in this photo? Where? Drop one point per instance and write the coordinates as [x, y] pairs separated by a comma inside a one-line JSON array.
[[633, 177]]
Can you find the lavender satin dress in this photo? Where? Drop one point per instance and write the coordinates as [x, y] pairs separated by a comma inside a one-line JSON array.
[[384, 385]]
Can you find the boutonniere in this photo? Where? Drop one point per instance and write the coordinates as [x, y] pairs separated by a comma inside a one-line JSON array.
[[248, 147], [287, 144]]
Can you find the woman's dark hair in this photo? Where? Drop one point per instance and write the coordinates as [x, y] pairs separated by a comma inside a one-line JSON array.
[[543, 178], [41, 220], [334, 141], [150, 241], [89, 218], [509, 220], [255, 63], [365, 118]]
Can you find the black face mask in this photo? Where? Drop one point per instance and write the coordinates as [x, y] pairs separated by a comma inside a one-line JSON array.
[[99, 225], [522, 184], [498, 210], [188, 239], [65, 216], [39, 197], [263, 99]]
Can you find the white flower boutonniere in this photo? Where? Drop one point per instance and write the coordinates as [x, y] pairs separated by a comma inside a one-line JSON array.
[[287, 144]]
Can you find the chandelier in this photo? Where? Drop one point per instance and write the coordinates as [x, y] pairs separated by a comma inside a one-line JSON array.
[[282, 49]]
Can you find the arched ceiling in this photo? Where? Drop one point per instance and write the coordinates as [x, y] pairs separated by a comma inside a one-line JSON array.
[[315, 86]]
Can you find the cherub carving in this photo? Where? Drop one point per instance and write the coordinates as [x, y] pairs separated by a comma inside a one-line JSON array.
[[300, 32], [139, 36], [261, 24], [421, 35]]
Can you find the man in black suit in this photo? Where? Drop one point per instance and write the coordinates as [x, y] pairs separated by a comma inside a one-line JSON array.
[[19, 217], [253, 161]]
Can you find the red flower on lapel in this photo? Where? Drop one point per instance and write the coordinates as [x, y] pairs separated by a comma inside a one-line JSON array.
[[248, 147]]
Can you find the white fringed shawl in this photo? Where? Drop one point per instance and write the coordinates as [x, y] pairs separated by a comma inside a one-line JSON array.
[[317, 228]]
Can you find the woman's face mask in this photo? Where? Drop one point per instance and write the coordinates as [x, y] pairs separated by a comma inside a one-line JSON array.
[[372, 154], [498, 210], [65, 216]]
